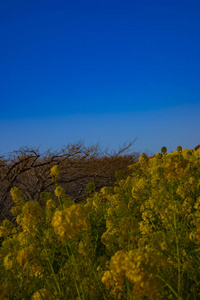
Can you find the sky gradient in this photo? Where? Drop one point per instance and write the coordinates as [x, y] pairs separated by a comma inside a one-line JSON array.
[[99, 71]]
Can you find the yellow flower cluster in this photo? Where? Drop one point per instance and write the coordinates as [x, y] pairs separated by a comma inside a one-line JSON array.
[[55, 173], [8, 262], [124, 263], [41, 294], [17, 196], [130, 266], [59, 192], [6, 228], [70, 221], [25, 255], [122, 225], [24, 238], [32, 217], [49, 210]]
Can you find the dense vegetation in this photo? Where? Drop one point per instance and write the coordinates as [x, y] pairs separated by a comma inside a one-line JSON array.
[[136, 239]]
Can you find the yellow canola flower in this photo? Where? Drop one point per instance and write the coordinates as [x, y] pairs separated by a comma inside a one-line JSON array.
[[107, 279], [22, 256], [25, 255], [49, 210], [117, 263], [23, 238], [123, 263], [36, 271], [33, 210], [60, 192], [141, 183], [158, 156], [15, 210], [144, 159], [193, 180], [81, 248], [69, 221], [6, 228], [17, 196], [114, 281], [7, 262], [32, 216], [2, 231], [197, 204], [133, 266], [107, 192], [50, 205], [181, 191], [59, 223], [55, 172], [41, 294]]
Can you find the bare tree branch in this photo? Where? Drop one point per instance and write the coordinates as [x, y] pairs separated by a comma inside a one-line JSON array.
[[29, 170]]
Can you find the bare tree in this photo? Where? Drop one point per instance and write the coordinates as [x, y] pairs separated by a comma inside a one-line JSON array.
[[29, 170]]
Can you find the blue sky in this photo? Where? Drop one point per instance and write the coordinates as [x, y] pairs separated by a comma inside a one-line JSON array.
[[99, 71]]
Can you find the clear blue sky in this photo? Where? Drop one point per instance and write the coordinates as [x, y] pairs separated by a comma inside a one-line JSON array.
[[104, 71]]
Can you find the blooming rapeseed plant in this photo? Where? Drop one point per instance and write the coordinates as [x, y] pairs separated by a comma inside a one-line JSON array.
[[59, 192], [17, 196], [55, 173], [137, 240], [70, 221]]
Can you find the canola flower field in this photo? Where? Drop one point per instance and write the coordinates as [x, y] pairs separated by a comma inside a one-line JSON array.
[[137, 240]]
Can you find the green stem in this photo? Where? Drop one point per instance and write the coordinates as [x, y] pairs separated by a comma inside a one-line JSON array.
[[169, 286], [52, 270], [77, 288], [77, 271], [177, 248], [95, 276], [129, 291]]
